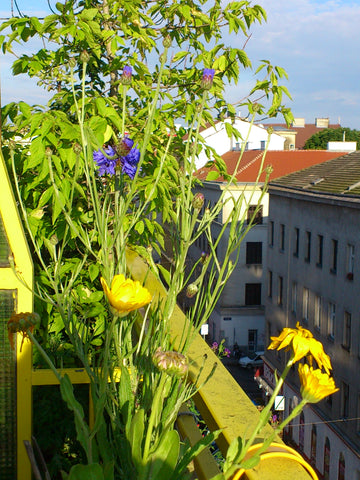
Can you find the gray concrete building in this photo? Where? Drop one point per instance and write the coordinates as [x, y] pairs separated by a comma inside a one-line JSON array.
[[313, 277]]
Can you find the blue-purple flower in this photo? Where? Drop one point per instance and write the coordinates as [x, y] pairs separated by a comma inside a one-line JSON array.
[[123, 154], [207, 78], [125, 78], [106, 160]]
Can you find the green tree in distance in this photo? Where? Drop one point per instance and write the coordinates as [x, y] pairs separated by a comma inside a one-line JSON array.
[[319, 140]]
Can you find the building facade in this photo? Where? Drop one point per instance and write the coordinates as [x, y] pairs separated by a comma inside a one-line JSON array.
[[313, 277]]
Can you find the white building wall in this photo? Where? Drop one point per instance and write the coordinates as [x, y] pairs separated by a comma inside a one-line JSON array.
[[254, 136]]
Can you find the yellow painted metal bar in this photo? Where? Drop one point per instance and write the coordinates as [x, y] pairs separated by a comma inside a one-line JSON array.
[[10, 281], [221, 401]]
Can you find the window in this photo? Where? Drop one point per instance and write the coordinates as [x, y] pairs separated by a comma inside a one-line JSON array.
[[282, 237], [253, 253], [306, 301], [271, 233], [307, 247], [344, 400], [294, 297], [320, 250], [350, 254], [317, 313], [347, 331], [341, 470], [296, 242], [270, 283], [327, 459], [313, 446], [262, 144], [280, 290], [255, 214], [253, 294], [331, 319], [334, 244]]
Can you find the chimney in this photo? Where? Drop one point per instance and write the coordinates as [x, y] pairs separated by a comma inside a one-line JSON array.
[[322, 122], [298, 122]]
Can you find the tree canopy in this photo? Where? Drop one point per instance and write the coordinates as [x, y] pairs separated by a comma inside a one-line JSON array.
[[319, 140]]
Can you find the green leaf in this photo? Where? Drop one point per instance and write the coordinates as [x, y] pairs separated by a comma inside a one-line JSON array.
[[93, 471], [233, 453], [136, 437], [213, 175], [165, 273], [165, 456], [93, 271]]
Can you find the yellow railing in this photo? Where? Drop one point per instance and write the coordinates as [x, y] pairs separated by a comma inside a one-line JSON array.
[[221, 401]]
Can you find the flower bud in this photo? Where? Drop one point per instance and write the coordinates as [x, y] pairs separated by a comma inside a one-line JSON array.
[[48, 152], [191, 290], [207, 78], [77, 148], [167, 41], [84, 56], [126, 76], [72, 62], [198, 201], [173, 363]]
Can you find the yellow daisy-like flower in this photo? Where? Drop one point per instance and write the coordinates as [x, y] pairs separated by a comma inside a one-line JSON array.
[[126, 295], [315, 385], [302, 343]]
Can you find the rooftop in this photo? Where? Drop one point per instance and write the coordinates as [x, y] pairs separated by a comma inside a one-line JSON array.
[[282, 162], [339, 175], [303, 132]]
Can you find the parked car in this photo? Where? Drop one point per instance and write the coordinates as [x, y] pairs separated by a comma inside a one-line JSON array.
[[252, 360]]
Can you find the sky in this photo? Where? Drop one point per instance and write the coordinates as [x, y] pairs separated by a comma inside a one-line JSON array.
[[315, 41]]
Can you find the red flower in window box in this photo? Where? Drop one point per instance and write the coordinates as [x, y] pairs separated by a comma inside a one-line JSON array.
[[350, 276]]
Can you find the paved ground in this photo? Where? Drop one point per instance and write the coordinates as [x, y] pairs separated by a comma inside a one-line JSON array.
[[245, 378]]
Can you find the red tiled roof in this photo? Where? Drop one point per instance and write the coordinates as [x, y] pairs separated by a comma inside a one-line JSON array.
[[302, 133], [282, 162]]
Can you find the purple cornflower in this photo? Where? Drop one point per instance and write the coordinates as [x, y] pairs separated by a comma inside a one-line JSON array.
[[106, 162], [214, 346], [130, 161], [122, 154], [227, 352], [207, 78], [126, 75]]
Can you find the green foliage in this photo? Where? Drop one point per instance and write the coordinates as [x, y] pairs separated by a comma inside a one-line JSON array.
[[79, 224], [319, 140]]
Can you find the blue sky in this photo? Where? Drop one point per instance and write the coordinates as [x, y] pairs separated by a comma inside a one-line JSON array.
[[315, 41]]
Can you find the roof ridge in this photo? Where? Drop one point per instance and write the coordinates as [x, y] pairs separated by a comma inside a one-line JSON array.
[[254, 160]]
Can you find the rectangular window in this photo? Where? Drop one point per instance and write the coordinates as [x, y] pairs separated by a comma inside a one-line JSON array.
[[280, 290], [331, 319], [350, 254], [271, 233], [253, 253], [306, 302], [296, 242], [344, 400], [252, 294], [294, 298], [307, 247], [347, 331], [334, 255], [270, 283], [255, 214], [317, 313], [282, 237], [320, 250]]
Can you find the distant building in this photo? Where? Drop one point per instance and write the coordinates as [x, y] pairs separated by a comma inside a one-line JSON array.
[[313, 277], [239, 314], [253, 137], [300, 131]]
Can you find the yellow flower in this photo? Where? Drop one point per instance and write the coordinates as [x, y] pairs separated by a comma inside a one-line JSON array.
[[303, 343], [315, 385], [126, 295]]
